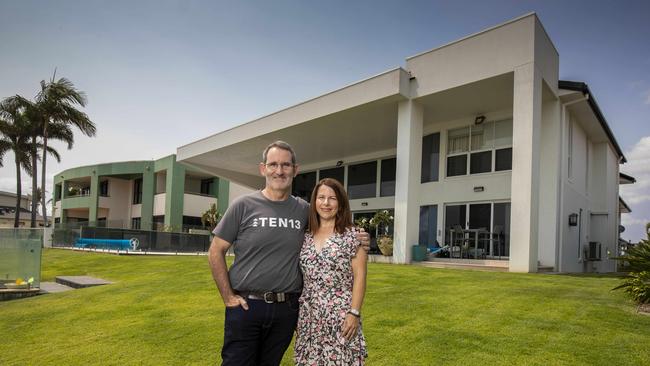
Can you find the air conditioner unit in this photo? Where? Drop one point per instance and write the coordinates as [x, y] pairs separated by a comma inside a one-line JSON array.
[[592, 252]]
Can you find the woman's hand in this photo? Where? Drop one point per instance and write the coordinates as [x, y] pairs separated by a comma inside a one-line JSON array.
[[350, 327]]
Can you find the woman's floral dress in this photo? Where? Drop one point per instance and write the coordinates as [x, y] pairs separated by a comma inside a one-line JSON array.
[[326, 298]]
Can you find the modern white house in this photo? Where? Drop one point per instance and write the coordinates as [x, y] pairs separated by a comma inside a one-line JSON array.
[[478, 136]]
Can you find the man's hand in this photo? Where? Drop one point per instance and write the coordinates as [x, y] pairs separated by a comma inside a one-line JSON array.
[[364, 239], [235, 301]]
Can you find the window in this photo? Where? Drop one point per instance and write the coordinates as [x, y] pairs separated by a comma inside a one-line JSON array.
[[481, 145], [303, 184], [455, 215], [103, 188], [334, 173], [135, 223], [570, 150], [206, 186], [503, 145], [387, 184], [480, 162], [457, 143], [456, 165], [503, 160], [430, 158], [428, 225], [137, 191], [362, 180], [191, 221]]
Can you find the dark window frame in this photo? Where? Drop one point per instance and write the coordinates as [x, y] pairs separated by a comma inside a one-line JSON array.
[[470, 153], [362, 194], [137, 191]]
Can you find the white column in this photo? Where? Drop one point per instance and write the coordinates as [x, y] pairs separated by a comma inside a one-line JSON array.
[[407, 179], [526, 119]]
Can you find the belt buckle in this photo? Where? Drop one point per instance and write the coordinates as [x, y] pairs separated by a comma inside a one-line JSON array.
[[269, 297]]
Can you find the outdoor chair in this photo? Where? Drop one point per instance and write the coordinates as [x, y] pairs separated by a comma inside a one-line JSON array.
[[460, 242], [493, 239], [435, 249]]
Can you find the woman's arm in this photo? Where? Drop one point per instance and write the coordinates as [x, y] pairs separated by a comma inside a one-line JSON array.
[[359, 269]]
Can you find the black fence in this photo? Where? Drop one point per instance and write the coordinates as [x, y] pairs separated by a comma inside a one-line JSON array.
[[151, 241]]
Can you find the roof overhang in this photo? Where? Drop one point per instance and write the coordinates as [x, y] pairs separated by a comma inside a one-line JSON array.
[[625, 179], [589, 114], [623, 207], [326, 128]]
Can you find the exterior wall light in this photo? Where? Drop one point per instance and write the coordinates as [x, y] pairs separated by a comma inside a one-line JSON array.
[[479, 189], [573, 219], [339, 163], [478, 120]]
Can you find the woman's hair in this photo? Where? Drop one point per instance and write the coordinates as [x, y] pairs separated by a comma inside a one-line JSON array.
[[343, 214]]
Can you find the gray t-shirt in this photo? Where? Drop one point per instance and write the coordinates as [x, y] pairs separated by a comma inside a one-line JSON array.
[[266, 237]]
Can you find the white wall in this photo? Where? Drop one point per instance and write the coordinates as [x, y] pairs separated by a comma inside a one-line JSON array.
[[159, 204], [118, 201], [136, 210], [592, 188], [549, 188], [161, 181], [604, 225], [192, 184], [235, 190], [6, 200], [57, 210], [195, 205]]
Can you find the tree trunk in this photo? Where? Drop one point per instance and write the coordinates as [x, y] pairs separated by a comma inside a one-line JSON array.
[[43, 176], [19, 193], [34, 182]]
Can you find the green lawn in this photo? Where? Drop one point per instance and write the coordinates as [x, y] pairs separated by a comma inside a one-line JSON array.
[[166, 311]]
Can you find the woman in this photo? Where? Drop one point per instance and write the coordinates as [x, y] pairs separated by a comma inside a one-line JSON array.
[[334, 273]]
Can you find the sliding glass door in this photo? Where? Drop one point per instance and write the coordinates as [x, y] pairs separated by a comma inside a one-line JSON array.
[[487, 227]]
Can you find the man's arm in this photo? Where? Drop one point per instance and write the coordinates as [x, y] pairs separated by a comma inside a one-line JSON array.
[[364, 239], [217, 260]]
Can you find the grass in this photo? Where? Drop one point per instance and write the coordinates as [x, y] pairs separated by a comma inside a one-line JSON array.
[[166, 310]]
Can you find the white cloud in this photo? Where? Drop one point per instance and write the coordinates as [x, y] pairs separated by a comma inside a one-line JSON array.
[[637, 195], [647, 97], [629, 220], [636, 199]]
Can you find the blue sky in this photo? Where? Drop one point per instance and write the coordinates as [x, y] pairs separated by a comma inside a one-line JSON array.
[[160, 74]]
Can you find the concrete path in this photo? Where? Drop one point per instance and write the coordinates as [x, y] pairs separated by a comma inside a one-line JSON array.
[[81, 281], [53, 287]]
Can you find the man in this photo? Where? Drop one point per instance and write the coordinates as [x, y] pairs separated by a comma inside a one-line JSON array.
[[261, 289]]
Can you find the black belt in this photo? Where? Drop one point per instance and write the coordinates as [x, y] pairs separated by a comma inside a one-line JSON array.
[[269, 297]]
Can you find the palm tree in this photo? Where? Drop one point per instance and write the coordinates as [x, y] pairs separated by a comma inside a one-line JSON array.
[[14, 128], [33, 116], [57, 106]]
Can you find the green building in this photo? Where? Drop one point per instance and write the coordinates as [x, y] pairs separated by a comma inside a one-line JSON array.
[[148, 195]]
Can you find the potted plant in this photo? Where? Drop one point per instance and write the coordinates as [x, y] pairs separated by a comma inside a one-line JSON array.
[[383, 221], [211, 217]]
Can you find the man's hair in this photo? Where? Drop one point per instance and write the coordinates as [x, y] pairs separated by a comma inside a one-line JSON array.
[[280, 145]]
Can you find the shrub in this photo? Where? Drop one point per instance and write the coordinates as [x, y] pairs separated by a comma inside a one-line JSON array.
[[637, 282]]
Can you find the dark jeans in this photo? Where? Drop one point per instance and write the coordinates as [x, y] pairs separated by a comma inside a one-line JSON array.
[[259, 335]]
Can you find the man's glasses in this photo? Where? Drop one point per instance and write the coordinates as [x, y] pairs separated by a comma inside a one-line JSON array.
[[275, 166]]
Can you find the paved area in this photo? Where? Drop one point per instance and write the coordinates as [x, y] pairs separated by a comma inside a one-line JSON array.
[[81, 281], [53, 287]]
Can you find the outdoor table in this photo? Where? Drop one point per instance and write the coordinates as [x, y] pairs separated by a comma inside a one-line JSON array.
[[476, 233]]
